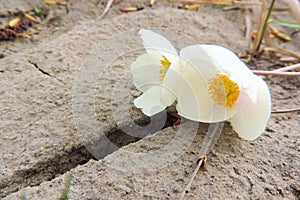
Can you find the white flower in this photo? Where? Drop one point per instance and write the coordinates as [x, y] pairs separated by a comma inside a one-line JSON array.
[[149, 71], [224, 88], [209, 82]]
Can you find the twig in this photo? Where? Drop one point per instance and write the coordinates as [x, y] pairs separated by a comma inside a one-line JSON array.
[[210, 140], [109, 3], [282, 51], [281, 9], [224, 2], [286, 111], [187, 188], [262, 19], [280, 73], [294, 6], [265, 26], [247, 3], [288, 68]]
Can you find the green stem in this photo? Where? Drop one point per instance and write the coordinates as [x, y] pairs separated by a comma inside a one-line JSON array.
[[265, 25], [66, 190]]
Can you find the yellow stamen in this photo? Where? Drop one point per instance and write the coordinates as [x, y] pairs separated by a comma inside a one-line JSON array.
[[165, 64], [223, 90]]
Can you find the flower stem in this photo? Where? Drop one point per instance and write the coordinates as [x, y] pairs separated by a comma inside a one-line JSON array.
[[187, 188], [210, 140]]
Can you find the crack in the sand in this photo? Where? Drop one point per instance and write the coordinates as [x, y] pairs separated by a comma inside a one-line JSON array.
[[63, 162], [44, 72]]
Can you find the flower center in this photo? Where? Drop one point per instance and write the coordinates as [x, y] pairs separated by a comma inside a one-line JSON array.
[[223, 90], [165, 65]]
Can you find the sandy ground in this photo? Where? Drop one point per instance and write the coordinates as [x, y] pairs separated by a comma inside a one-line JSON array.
[[62, 93]]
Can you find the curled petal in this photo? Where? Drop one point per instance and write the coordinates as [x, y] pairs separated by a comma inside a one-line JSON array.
[[145, 71], [252, 117], [154, 42], [167, 97], [150, 102]]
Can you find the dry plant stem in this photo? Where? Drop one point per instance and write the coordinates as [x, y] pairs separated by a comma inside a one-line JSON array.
[[262, 17], [223, 2], [187, 188], [269, 42], [294, 6], [210, 140], [281, 9], [265, 26], [108, 4], [287, 68], [286, 111], [281, 51], [280, 73]]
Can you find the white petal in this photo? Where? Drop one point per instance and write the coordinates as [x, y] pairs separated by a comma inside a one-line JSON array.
[[205, 110], [249, 92], [225, 58], [168, 95], [200, 60], [219, 113], [155, 42], [250, 121], [145, 71], [150, 102], [227, 62], [193, 100], [190, 106]]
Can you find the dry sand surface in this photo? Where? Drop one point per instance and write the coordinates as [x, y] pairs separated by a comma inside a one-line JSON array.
[[67, 88]]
